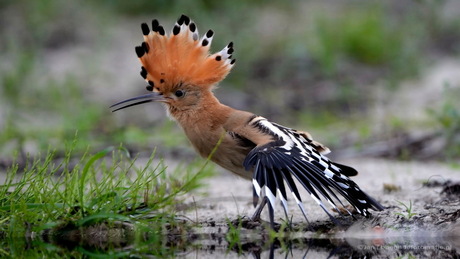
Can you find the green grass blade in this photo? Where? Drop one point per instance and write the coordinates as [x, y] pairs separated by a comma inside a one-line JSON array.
[[85, 172]]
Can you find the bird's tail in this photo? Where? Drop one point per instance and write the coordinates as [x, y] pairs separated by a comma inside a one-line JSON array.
[[181, 56]]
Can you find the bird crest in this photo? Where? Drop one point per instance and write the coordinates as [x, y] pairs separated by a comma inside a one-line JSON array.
[[182, 56]]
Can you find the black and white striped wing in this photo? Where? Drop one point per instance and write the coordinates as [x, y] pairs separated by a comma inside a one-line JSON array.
[[291, 156]]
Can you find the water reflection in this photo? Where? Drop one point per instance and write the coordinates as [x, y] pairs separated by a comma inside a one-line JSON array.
[[218, 247]]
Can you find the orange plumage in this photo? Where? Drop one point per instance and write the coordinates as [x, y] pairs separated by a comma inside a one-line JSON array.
[[181, 56]]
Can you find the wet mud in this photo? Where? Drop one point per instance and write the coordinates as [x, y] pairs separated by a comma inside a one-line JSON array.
[[421, 220]]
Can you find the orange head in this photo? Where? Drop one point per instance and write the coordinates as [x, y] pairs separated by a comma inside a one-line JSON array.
[[177, 66]]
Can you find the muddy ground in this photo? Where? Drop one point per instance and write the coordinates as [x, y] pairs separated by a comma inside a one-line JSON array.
[[433, 229], [216, 223]]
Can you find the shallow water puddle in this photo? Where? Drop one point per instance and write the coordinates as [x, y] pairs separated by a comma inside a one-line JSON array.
[[224, 241]]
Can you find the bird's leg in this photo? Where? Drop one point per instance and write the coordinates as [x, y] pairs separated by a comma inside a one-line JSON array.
[[255, 197], [271, 213], [259, 209]]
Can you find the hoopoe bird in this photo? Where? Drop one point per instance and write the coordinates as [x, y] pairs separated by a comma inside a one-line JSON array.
[[181, 74]]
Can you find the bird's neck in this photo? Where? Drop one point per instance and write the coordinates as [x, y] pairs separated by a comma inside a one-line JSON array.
[[206, 115], [204, 124]]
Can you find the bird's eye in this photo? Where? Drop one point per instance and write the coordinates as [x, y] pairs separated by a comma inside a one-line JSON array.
[[179, 93]]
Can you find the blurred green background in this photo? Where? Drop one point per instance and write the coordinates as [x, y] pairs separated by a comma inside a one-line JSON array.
[[367, 78]]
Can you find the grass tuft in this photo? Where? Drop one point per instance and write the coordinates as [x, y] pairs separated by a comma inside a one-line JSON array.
[[408, 212], [104, 187]]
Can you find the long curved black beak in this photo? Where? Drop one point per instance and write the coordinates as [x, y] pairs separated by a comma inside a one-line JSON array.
[[146, 98]]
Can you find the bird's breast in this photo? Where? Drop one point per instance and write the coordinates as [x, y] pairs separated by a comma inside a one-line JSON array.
[[227, 151]]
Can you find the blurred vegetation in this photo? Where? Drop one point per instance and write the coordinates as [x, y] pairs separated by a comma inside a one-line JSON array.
[[315, 61], [447, 117], [366, 36]]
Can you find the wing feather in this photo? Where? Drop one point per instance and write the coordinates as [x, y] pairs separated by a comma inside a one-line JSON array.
[[291, 155], [295, 192]]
